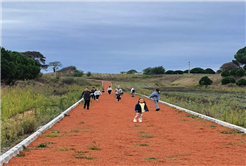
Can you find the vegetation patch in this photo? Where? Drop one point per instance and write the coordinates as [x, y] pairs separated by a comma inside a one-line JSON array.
[[52, 135], [81, 122], [44, 145], [80, 155], [170, 159], [141, 144], [20, 155], [151, 158], [147, 136], [232, 132], [191, 116]]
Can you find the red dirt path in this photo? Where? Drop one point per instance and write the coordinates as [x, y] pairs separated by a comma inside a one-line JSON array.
[[177, 139]]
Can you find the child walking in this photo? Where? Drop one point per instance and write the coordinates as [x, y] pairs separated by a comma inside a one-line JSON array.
[[156, 97], [109, 90], [132, 91], [140, 108], [118, 93], [97, 93], [87, 97]]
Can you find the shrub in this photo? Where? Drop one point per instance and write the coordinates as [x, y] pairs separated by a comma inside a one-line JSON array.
[[178, 72], [169, 72], [227, 80], [225, 73], [78, 73], [197, 70], [28, 125], [209, 71], [241, 82], [205, 81], [240, 72], [68, 81], [88, 73]]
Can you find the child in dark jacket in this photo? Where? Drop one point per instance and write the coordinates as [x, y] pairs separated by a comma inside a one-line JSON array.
[[87, 97], [140, 108]]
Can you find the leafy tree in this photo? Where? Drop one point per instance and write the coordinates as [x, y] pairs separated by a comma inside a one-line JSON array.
[[55, 65], [227, 80], [225, 73], [154, 70], [16, 66], [178, 72], [186, 71], [240, 72], [241, 82], [205, 81], [228, 66], [78, 73], [37, 56], [209, 71], [169, 72], [219, 71], [131, 71], [88, 73], [240, 56], [197, 70]]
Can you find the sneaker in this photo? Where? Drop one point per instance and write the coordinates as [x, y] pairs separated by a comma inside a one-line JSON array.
[[158, 109], [134, 120], [140, 120]]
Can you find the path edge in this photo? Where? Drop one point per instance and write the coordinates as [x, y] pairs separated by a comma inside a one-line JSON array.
[[220, 122], [17, 148]]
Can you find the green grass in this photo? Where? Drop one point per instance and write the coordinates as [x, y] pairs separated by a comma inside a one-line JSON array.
[[80, 155], [151, 158], [191, 116], [81, 122], [44, 145], [52, 135], [20, 155], [147, 136], [94, 148], [232, 132], [64, 149], [141, 144], [170, 159]]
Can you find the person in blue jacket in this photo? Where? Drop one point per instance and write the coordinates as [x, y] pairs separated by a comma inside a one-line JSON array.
[[140, 108], [155, 96]]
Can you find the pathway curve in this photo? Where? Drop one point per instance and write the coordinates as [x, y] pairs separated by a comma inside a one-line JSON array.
[[167, 137]]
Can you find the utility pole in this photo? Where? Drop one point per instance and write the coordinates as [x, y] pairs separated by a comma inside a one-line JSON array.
[[189, 67]]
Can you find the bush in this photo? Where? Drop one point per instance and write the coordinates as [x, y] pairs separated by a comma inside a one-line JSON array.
[[78, 73], [178, 72], [28, 125], [241, 82], [169, 72], [225, 73], [68, 81], [88, 74], [240, 72], [209, 71], [227, 80], [205, 81], [197, 70]]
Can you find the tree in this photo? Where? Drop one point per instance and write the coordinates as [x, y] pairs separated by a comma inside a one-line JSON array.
[[169, 72], [209, 71], [228, 66], [56, 66], [241, 82], [240, 56], [197, 70], [205, 81], [78, 73], [16, 66], [178, 72], [225, 73], [131, 71], [227, 80], [88, 74], [154, 70], [37, 56]]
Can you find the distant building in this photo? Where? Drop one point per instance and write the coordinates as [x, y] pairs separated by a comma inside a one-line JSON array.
[[123, 72], [139, 73]]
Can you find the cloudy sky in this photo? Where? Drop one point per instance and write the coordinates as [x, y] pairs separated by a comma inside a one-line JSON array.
[[109, 37]]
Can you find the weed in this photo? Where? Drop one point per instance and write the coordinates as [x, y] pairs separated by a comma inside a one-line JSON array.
[[141, 144], [191, 116], [55, 131], [44, 145], [81, 123], [64, 149], [151, 158], [170, 159], [232, 132], [136, 126], [74, 131], [79, 155], [94, 148], [20, 155], [147, 136], [51, 135], [128, 155], [230, 143], [142, 132]]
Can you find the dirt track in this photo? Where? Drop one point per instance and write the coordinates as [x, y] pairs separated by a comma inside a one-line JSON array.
[[176, 138]]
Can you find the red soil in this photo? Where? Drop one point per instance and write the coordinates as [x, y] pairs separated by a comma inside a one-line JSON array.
[[177, 139]]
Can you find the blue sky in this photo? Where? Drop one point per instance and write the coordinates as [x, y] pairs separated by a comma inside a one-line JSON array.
[[109, 37]]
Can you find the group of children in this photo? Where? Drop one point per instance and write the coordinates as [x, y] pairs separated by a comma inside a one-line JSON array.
[[140, 107]]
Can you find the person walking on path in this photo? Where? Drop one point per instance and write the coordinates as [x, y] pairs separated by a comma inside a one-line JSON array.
[[92, 92], [109, 90], [132, 91], [87, 96], [118, 93], [156, 97], [140, 108], [97, 93]]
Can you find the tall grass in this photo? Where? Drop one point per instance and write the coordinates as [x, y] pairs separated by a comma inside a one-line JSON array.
[[24, 108]]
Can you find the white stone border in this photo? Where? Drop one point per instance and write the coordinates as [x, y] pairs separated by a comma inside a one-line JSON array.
[[16, 149], [220, 122]]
